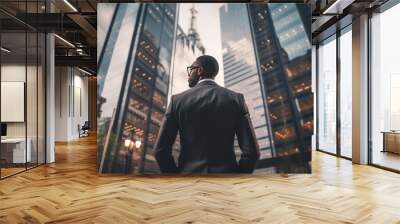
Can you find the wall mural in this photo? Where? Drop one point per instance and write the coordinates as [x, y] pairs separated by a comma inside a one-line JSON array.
[[256, 116]]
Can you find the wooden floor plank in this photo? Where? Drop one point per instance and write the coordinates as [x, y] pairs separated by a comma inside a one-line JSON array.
[[71, 191]]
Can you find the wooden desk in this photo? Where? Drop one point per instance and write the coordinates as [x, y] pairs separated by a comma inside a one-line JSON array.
[[391, 141], [13, 150]]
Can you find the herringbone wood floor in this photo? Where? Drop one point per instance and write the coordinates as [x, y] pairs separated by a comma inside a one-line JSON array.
[[70, 191]]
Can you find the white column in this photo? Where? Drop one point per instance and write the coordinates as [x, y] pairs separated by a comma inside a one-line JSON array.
[[360, 90], [62, 103], [50, 100]]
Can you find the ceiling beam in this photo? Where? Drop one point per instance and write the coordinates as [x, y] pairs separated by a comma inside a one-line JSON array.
[[78, 61], [86, 27]]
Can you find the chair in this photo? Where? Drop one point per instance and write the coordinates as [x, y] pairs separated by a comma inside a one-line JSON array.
[[84, 130]]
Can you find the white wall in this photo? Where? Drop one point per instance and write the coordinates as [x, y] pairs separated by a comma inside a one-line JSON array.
[[33, 126], [71, 102], [17, 73], [61, 103], [12, 73], [80, 111]]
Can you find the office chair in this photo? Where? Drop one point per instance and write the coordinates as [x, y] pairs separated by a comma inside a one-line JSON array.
[[84, 130]]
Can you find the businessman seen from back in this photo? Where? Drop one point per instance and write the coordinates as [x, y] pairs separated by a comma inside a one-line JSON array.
[[207, 117]]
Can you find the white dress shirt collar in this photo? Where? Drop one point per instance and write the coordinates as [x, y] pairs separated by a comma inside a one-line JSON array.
[[206, 80]]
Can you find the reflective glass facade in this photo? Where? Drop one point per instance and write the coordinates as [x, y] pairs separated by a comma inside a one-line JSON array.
[[283, 52], [240, 69], [138, 92]]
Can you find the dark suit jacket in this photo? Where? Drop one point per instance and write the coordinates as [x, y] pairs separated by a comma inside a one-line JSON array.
[[207, 117]]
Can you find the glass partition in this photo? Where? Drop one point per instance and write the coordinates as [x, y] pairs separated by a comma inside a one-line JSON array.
[[13, 94], [22, 92]]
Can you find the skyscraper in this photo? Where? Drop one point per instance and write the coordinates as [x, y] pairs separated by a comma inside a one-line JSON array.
[[283, 53], [266, 52], [126, 140], [240, 69]]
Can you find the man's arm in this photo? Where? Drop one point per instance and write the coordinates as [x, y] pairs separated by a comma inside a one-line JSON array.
[[247, 139], [166, 138]]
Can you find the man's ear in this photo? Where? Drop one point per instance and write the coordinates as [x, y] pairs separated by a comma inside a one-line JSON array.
[[200, 71]]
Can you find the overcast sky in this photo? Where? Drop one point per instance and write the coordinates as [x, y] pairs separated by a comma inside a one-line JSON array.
[[208, 27]]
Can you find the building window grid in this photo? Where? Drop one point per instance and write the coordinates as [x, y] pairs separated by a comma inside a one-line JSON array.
[[150, 68], [152, 131], [239, 73], [267, 67]]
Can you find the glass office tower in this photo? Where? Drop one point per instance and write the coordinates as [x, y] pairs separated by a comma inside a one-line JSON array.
[[283, 53], [240, 69], [143, 36]]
